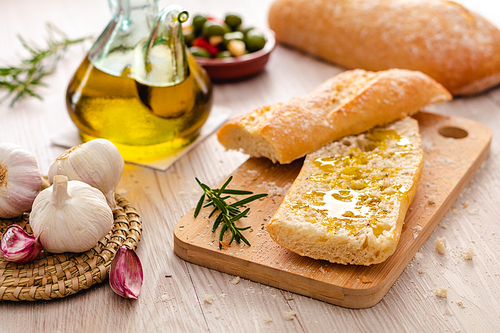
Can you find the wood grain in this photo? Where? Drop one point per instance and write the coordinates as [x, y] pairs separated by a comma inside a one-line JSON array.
[[454, 149]]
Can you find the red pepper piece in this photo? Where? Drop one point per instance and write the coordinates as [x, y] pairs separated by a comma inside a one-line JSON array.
[[202, 42], [216, 19]]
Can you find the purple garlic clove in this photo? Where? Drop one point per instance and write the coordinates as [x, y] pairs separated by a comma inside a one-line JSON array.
[[19, 247], [125, 275]]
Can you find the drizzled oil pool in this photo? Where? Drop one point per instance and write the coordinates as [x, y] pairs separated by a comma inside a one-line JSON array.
[[356, 184]]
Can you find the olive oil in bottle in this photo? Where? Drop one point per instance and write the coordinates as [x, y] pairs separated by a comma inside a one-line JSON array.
[[138, 86], [163, 121]]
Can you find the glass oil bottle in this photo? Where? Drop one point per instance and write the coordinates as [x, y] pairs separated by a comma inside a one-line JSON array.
[[138, 86]]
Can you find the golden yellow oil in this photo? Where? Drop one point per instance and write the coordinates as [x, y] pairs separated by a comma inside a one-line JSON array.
[[144, 122]]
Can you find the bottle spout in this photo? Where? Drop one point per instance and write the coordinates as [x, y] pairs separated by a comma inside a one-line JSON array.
[[161, 60]]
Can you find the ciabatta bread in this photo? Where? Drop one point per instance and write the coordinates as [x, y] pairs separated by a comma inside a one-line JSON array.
[[458, 48], [349, 103], [349, 201]]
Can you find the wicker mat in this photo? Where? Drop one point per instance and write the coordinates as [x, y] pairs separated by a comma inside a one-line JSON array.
[[59, 275]]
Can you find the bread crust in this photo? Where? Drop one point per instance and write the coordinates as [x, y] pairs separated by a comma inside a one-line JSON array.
[[291, 227], [456, 47], [349, 103]]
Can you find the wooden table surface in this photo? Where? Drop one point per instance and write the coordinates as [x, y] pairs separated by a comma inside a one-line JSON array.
[[172, 297]]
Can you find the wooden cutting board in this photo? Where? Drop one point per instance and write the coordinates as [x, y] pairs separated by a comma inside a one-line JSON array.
[[454, 148]]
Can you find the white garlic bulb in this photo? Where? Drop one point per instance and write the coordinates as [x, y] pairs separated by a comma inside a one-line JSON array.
[[97, 163], [20, 180], [70, 216]]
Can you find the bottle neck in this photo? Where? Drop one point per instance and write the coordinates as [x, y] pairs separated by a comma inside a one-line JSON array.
[[132, 21]]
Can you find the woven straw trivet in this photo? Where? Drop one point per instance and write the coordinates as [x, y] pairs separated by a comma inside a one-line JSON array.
[[59, 275]]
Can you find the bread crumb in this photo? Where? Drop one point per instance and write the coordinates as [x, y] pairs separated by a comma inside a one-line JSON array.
[[440, 244], [268, 320], [421, 270], [365, 279], [468, 254], [461, 304], [224, 245], [418, 255], [208, 298], [236, 280], [441, 292], [290, 315]]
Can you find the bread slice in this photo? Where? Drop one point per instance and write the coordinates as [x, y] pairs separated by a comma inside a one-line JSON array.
[[349, 103], [458, 48], [349, 201]]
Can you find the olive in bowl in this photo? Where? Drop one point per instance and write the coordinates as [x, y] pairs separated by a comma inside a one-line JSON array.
[[226, 48]]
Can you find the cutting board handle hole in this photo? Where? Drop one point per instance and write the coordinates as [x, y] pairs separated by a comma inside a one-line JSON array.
[[453, 132]]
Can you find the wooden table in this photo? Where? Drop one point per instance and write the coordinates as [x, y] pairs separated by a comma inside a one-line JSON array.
[[172, 298]]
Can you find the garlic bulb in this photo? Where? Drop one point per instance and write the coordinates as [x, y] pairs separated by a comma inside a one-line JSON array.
[[20, 180], [70, 216], [97, 163]]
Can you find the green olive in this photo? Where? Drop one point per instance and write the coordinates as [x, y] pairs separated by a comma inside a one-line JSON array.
[[223, 54], [211, 28], [198, 22], [233, 21], [199, 52], [235, 35], [254, 41], [244, 30]]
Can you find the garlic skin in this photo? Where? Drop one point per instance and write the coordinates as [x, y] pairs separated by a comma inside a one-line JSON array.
[[20, 180], [125, 274], [19, 247], [70, 216], [97, 163]]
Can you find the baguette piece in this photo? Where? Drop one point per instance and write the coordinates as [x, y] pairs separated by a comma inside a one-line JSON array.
[[349, 201], [349, 103], [458, 48]]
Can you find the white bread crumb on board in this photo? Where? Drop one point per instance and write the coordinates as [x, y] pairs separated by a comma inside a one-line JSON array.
[[421, 270], [440, 244], [441, 292], [208, 298], [468, 254], [268, 320], [461, 304], [236, 280], [289, 315]]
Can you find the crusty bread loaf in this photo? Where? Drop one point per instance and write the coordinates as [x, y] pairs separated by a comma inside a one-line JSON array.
[[350, 198], [458, 48], [349, 103]]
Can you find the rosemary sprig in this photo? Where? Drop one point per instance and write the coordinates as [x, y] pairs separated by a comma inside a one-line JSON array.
[[22, 80], [228, 213]]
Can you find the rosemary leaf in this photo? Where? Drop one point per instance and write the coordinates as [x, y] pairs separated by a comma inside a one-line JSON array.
[[249, 199], [237, 192], [218, 220], [21, 81], [228, 213], [240, 215], [198, 206]]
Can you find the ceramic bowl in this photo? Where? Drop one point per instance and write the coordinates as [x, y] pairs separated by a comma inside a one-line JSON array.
[[240, 67]]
